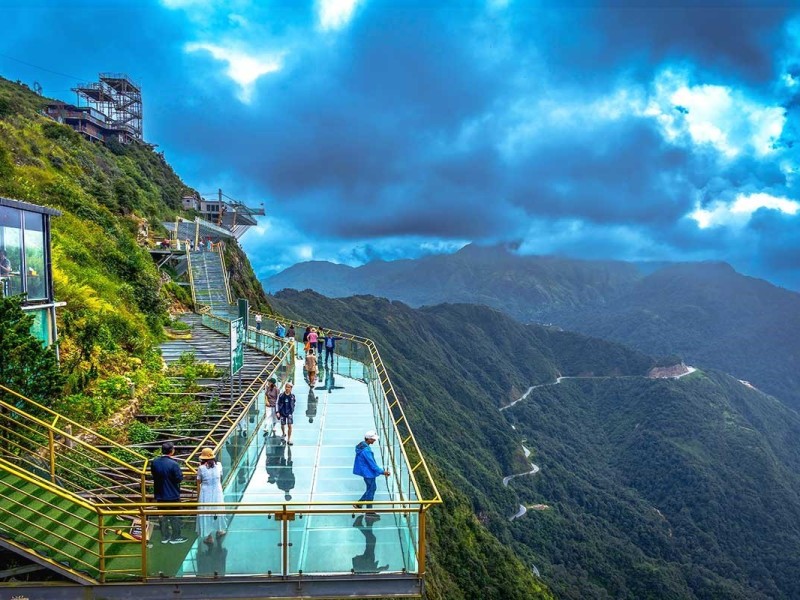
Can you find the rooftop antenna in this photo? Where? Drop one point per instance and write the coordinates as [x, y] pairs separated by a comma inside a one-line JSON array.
[[37, 87]]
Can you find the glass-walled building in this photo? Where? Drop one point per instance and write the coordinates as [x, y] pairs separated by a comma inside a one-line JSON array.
[[25, 266]]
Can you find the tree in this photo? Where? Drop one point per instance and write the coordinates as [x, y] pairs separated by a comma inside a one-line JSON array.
[[26, 366]]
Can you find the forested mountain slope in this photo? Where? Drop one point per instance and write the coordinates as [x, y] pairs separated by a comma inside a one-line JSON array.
[[654, 488], [710, 315], [706, 312]]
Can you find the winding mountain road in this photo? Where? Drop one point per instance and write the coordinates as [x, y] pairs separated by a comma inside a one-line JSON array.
[[522, 509], [534, 387]]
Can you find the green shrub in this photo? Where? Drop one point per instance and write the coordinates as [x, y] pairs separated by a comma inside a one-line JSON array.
[[140, 433]]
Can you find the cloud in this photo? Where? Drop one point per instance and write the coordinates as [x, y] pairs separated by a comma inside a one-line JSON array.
[[242, 68], [739, 212], [715, 115], [335, 14]]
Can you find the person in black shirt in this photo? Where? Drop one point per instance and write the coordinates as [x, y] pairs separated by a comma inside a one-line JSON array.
[[167, 477], [285, 411]]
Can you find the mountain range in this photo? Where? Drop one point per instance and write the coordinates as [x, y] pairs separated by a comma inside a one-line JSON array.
[[706, 313]]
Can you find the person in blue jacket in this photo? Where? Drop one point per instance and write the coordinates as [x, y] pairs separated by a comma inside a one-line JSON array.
[[167, 477], [330, 347], [366, 467]]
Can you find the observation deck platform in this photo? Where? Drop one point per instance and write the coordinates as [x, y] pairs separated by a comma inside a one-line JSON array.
[[317, 469]]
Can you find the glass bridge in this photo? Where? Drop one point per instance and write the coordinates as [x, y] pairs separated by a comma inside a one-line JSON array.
[[313, 480]]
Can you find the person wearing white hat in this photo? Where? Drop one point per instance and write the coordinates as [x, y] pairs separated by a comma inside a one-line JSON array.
[[209, 485], [366, 467]]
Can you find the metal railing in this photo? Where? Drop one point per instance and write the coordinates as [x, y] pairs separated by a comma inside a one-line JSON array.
[[220, 250], [39, 440], [191, 276]]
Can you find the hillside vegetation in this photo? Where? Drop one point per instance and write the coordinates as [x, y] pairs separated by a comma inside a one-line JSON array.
[[654, 488], [711, 316], [116, 300]]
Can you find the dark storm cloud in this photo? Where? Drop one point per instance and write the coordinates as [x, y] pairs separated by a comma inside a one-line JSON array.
[[594, 38], [622, 172]]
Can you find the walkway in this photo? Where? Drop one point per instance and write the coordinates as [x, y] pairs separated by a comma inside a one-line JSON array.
[[318, 468]]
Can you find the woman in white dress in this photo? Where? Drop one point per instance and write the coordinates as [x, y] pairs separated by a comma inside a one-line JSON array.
[[209, 483]]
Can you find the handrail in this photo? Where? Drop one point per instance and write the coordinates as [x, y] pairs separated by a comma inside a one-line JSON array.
[[72, 434], [58, 491], [191, 276], [224, 272], [261, 380], [74, 424]]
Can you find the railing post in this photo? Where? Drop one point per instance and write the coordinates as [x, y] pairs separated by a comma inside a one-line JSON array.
[[52, 448], [421, 542], [284, 517], [102, 548], [145, 529]]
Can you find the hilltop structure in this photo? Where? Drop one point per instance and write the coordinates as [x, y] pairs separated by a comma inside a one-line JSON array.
[[109, 109], [225, 212]]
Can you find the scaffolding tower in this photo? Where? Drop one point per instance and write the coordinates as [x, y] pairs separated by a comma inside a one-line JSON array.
[[119, 98]]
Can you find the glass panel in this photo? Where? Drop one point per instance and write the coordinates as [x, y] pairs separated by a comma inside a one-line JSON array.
[[336, 542], [10, 251], [34, 256], [250, 547], [170, 560], [41, 325]]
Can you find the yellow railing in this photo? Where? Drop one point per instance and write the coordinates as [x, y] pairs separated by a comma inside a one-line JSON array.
[[64, 452], [246, 403], [191, 276], [220, 249]]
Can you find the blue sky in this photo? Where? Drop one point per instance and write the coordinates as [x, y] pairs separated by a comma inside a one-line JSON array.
[[388, 129]]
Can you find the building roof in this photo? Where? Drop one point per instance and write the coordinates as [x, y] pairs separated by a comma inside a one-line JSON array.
[[19, 204]]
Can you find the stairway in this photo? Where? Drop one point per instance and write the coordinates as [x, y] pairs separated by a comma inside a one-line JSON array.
[[209, 281]]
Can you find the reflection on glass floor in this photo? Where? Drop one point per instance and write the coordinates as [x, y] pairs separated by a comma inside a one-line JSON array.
[[329, 422]]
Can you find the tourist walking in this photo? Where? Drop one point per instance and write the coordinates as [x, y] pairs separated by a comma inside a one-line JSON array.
[[366, 467], [330, 347], [312, 339], [306, 333], [258, 321], [167, 477], [311, 368], [320, 342], [209, 484], [286, 402], [271, 400]]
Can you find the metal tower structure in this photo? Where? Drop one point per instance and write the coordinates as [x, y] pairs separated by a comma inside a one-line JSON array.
[[119, 98]]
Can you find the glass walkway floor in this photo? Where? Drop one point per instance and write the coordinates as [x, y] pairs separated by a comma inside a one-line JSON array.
[[328, 422]]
